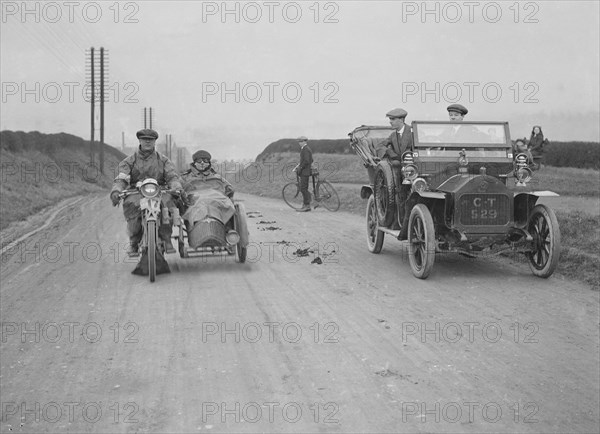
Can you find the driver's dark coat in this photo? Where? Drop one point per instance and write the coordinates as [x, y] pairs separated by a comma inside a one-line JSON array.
[[138, 167], [398, 144]]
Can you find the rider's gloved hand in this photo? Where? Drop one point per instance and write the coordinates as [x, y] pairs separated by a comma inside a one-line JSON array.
[[114, 197]]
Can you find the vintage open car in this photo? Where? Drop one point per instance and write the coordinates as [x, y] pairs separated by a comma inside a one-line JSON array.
[[212, 222], [459, 189]]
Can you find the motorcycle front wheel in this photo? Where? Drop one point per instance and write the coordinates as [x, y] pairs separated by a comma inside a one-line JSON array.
[[151, 233]]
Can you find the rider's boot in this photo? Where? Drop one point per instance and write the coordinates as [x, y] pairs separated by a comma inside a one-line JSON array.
[[133, 248], [134, 229]]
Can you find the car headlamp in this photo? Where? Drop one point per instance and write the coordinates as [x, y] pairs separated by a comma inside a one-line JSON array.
[[407, 158], [522, 171], [409, 173], [149, 188], [419, 185], [521, 160]]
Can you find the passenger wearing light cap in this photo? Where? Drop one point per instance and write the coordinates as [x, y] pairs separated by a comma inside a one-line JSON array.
[[202, 170], [209, 195]]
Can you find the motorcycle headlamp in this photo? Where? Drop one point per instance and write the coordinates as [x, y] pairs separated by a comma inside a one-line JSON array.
[[149, 188], [232, 237]]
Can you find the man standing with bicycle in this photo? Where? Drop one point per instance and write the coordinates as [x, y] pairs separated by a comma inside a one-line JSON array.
[[303, 170]]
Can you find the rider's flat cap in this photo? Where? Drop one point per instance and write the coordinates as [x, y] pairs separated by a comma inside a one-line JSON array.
[[147, 133], [302, 139], [200, 155], [397, 113], [458, 108]]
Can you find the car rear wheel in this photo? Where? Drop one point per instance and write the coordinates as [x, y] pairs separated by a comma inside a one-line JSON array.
[[374, 235], [384, 193], [421, 239], [543, 226]]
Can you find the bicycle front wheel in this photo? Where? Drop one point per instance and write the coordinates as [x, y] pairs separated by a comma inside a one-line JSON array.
[[292, 196], [328, 196]]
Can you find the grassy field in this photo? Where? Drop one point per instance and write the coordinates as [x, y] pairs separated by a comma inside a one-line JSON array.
[[580, 231]]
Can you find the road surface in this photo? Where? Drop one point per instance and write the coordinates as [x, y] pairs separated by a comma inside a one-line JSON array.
[[282, 344]]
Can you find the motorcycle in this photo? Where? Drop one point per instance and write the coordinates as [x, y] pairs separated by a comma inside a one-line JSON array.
[[154, 212]]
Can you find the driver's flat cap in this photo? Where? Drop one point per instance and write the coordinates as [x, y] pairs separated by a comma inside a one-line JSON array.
[[458, 108], [302, 139], [396, 113], [147, 133]]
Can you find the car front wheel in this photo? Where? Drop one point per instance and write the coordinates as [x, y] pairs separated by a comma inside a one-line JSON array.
[[374, 235], [421, 239], [543, 226]]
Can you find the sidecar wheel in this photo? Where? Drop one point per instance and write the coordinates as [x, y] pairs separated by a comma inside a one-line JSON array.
[[241, 227]]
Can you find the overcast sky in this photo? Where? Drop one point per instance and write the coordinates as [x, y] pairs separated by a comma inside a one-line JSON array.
[[233, 79]]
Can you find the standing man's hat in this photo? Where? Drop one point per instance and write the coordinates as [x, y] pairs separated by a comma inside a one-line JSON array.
[[302, 139], [458, 108], [201, 155], [397, 113], [147, 133]]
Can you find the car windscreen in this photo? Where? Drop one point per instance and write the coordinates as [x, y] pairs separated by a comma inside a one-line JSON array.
[[459, 133], [469, 152]]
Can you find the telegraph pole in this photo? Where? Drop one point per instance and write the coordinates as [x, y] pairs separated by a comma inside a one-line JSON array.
[[92, 101], [101, 109], [148, 117]]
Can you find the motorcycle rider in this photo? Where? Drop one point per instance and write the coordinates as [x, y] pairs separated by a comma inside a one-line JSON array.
[[146, 162]]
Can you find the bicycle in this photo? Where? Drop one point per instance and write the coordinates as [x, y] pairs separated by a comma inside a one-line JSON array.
[[323, 193]]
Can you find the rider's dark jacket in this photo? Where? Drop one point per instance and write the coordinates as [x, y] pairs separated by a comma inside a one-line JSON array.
[[138, 167]]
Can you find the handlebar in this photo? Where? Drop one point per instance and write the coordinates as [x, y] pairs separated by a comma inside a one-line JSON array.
[[128, 192]]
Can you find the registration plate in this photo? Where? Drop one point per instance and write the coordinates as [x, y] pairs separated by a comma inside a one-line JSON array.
[[484, 209]]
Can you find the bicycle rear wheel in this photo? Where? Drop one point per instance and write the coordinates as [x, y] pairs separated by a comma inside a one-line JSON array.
[[292, 196], [328, 196]]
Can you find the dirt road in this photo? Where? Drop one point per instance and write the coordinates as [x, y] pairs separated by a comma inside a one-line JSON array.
[[281, 344]]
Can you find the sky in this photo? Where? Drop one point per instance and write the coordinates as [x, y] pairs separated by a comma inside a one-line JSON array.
[[232, 77]]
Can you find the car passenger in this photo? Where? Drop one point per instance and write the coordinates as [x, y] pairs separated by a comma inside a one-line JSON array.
[[397, 144], [400, 140]]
